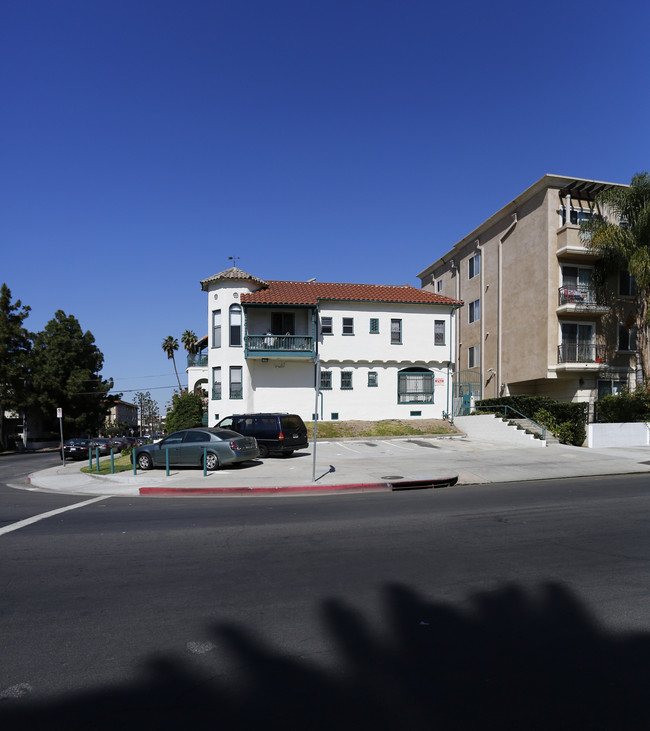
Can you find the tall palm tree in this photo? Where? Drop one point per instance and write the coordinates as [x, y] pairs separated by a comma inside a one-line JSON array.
[[170, 346], [189, 340], [622, 237]]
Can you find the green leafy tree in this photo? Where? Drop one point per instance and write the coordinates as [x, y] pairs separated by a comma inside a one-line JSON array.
[[149, 412], [15, 346], [170, 346], [65, 370], [621, 235], [186, 412]]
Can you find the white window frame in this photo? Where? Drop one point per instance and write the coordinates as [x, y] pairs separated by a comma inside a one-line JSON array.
[[474, 265], [474, 311], [474, 356], [216, 328]]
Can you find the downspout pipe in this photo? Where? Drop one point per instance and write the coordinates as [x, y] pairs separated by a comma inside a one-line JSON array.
[[506, 233]]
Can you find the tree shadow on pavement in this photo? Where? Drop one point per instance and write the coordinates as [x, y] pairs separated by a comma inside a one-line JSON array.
[[507, 659]]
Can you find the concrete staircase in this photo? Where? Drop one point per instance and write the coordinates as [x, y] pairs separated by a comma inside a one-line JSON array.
[[531, 428], [491, 428]]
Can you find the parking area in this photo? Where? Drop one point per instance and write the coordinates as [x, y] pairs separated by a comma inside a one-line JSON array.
[[367, 461]]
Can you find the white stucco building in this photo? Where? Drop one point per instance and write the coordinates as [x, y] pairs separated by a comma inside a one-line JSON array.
[[385, 351]]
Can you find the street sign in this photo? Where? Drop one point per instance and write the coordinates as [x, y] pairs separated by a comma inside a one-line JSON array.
[[59, 413]]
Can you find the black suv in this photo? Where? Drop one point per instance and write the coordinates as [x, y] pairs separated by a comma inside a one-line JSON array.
[[281, 433]]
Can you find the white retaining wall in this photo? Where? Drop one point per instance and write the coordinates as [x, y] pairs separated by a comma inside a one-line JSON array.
[[618, 435]]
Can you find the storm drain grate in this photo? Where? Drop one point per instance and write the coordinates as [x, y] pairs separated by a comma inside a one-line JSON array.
[[422, 443]]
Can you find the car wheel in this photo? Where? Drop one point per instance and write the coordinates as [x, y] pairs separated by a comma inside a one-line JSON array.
[[264, 451], [211, 461], [144, 461]]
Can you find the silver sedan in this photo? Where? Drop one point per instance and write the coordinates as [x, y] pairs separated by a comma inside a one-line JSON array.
[[188, 447]]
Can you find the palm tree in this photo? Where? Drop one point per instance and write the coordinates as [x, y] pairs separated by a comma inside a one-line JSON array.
[[189, 340], [170, 346], [624, 241]]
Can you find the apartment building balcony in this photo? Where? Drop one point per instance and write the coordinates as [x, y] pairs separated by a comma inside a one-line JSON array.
[[577, 299], [280, 346], [581, 356], [571, 243], [197, 360]]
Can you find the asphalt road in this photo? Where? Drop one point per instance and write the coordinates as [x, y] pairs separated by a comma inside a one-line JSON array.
[[519, 605]]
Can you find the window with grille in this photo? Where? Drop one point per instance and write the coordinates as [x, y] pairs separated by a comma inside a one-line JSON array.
[[415, 387], [346, 380], [374, 325], [395, 332], [326, 380], [372, 378], [439, 332]]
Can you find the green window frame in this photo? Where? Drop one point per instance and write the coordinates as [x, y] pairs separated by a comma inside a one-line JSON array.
[[372, 379], [236, 385], [326, 380], [374, 325], [439, 332], [395, 332], [216, 384], [415, 387], [346, 380]]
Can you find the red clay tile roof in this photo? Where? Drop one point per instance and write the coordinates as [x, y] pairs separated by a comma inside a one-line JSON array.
[[310, 293]]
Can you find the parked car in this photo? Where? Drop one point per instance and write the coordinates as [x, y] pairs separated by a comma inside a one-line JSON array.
[[142, 440], [275, 432], [104, 446], [186, 449], [118, 443], [76, 449]]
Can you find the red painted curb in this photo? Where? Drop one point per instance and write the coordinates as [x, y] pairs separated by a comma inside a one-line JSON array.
[[358, 487], [261, 490]]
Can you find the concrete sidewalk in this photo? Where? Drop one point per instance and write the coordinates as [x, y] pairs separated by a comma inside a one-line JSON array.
[[363, 464]]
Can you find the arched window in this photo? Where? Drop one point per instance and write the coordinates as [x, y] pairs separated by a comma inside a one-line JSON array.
[[235, 325], [415, 386]]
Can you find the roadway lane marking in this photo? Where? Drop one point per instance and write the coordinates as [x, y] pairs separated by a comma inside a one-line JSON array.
[[42, 516]]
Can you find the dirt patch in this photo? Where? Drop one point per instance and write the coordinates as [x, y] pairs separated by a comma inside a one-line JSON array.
[[384, 428]]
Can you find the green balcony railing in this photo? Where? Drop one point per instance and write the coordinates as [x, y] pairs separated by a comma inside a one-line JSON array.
[[284, 345]]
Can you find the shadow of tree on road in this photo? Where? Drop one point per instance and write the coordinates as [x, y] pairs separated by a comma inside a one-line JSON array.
[[507, 659]]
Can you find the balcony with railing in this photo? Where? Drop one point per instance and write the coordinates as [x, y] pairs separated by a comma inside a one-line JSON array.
[[197, 360], [279, 346], [581, 353], [575, 298]]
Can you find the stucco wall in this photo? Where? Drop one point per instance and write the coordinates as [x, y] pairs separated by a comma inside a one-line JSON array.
[[618, 435]]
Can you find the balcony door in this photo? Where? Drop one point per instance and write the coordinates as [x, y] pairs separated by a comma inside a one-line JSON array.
[[578, 343]]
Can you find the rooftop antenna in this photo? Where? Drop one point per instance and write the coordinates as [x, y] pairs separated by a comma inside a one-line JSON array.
[[234, 259]]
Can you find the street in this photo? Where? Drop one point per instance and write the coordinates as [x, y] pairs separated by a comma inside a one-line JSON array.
[[526, 603]]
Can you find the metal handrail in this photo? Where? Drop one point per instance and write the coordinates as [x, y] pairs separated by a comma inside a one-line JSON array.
[[523, 416]]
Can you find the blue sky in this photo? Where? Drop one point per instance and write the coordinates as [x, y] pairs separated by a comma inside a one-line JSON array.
[[144, 142]]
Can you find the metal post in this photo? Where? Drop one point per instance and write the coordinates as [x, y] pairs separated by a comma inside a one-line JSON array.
[[313, 475], [205, 461], [90, 457], [167, 461], [96, 459], [135, 467], [112, 462]]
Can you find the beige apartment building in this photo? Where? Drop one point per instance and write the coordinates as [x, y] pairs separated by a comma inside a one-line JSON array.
[[532, 321]]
